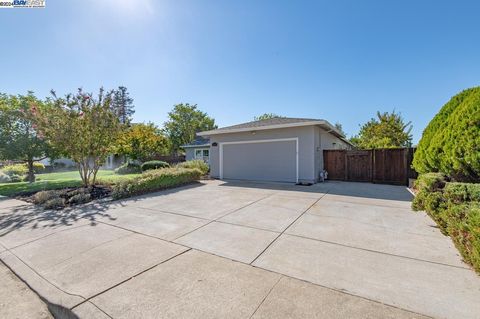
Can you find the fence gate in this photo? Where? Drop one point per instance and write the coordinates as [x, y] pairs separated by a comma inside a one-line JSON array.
[[388, 166]]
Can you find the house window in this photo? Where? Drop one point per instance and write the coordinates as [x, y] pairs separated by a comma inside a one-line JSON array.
[[202, 154]]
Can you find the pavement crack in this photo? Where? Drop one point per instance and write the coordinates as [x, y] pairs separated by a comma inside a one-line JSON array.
[[228, 213], [266, 296], [286, 228], [130, 278]]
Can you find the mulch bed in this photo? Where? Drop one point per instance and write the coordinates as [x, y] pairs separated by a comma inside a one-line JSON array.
[[96, 192]]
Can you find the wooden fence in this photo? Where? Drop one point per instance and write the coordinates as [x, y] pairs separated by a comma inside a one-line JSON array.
[[387, 166]]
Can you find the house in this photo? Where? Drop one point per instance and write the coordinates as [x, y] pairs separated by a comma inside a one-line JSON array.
[[198, 149], [277, 149]]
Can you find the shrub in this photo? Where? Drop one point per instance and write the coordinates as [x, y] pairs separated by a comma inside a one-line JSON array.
[[455, 207], [54, 203], [80, 198], [154, 165], [128, 168], [464, 228], [451, 141], [44, 196], [199, 164], [14, 178], [4, 178], [38, 168], [16, 169], [154, 181]]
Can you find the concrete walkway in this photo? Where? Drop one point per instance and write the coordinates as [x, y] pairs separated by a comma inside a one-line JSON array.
[[242, 250], [17, 300]]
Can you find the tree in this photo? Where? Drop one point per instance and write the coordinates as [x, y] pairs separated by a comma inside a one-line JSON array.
[[82, 128], [142, 142], [339, 128], [266, 116], [19, 139], [451, 141], [122, 105], [184, 122], [388, 130]]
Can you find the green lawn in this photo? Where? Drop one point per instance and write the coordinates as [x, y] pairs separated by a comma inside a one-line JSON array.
[[59, 180]]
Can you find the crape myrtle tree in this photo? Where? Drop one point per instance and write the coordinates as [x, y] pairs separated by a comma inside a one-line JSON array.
[[451, 141], [19, 140], [142, 142], [122, 105], [81, 127], [184, 122], [387, 130]]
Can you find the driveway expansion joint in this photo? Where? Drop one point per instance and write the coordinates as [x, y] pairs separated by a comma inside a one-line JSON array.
[[220, 217], [377, 252], [286, 228]]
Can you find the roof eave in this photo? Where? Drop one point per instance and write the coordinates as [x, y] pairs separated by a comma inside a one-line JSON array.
[[193, 146], [324, 124], [260, 128]]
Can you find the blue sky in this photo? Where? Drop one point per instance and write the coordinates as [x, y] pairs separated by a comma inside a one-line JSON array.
[[337, 60]]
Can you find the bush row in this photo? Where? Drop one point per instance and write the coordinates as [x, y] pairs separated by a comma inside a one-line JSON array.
[[455, 207], [155, 180], [134, 168], [198, 164], [17, 172]]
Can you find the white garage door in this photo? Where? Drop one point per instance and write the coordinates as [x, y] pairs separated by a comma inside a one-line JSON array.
[[261, 160]]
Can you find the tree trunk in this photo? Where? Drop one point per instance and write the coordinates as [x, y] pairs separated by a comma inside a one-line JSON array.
[[31, 173]]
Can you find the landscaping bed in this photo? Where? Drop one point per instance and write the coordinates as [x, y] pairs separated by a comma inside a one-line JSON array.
[[60, 190], [455, 207]]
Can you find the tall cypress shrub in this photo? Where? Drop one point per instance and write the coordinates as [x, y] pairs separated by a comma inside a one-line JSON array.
[[451, 141]]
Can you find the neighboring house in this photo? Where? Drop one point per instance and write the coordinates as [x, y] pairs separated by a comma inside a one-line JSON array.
[[64, 162], [278, 149], [198, 149]]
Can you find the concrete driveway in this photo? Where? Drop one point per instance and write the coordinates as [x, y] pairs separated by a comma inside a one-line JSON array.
[[242, 250]]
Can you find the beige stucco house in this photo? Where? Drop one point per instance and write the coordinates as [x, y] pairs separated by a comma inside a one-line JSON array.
[[278, 149]]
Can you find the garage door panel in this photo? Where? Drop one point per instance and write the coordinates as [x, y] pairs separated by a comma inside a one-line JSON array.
[[265, 161]]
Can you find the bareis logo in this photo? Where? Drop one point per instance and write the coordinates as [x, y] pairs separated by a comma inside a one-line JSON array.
[[22, 4]]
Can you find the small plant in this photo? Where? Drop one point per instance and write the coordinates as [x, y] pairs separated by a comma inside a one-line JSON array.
[[80, 198], [44, 196], [16, 169], [14, 178], [4, 178], [128, 168], [198, 164], [154, 165], [54, 203], [38, 168]]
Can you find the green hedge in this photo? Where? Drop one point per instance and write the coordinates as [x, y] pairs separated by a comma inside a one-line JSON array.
[[128, 168], [154, 165], [154, 181], [455, 207], [451, 141], [199, 164]]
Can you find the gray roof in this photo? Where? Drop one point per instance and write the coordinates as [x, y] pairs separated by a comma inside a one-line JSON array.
[[268, 122], [277, 122], [198, 141]]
